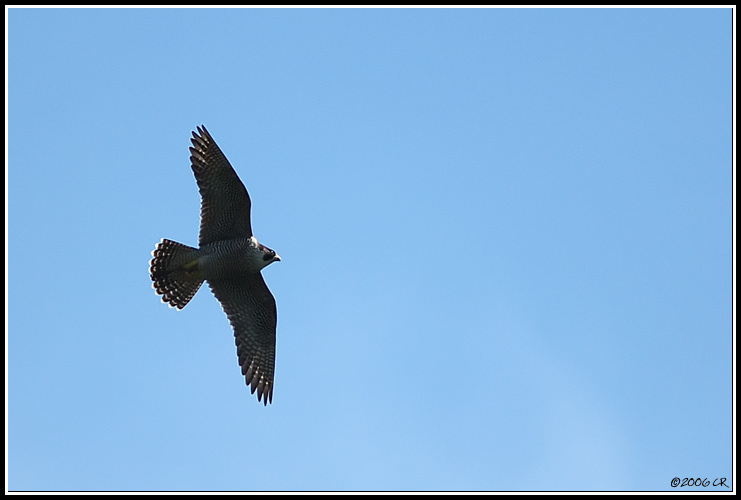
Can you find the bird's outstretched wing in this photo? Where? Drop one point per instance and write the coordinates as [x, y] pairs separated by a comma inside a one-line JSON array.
[[225, 204], [250, 307]]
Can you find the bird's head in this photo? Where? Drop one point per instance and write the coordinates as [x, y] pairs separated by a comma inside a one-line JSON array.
[[268, 255]]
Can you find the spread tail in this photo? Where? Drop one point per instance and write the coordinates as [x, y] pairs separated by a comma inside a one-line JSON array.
[[174, 272]]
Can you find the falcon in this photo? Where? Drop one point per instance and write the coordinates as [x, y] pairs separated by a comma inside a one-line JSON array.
[[230, 259]]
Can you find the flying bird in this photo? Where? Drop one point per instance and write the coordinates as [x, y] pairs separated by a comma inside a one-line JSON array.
[[230, 259]]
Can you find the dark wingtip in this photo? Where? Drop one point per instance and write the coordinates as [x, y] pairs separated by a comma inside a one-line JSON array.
[[201, 141]]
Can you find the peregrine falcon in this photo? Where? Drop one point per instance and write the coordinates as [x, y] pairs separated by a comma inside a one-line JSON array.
[[229, 258]]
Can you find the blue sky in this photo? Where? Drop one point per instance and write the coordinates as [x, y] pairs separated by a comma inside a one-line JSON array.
[[506, 241]]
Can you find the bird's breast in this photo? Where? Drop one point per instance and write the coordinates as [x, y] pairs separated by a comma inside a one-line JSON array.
[[227, 258]]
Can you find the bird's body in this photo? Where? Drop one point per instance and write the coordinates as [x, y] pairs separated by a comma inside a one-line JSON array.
[[230, 259], [225, 258]]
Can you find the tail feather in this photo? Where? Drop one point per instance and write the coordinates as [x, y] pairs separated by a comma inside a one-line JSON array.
[[174, 272]]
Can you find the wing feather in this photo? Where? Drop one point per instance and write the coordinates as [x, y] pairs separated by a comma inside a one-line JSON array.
[[225, 203], [250, 307]]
